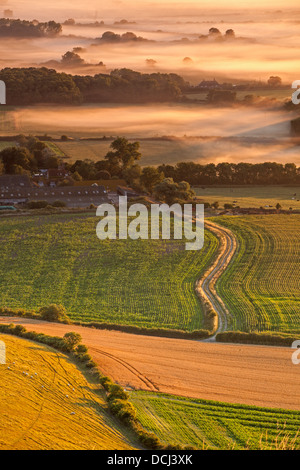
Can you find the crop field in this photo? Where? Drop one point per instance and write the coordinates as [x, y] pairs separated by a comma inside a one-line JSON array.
[[47, 404], [154, 152], [279, 94], [59, 259], [252, 196], [215, 425], [261, 285]]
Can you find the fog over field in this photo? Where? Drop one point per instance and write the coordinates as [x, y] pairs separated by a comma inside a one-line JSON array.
[[266, 39], [265, 44], [201, 134]]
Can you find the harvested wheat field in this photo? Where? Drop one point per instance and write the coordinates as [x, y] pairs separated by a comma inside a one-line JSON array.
[[254, 375], [46, 403]]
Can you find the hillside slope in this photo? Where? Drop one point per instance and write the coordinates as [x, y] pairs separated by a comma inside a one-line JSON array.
[[47, 404]]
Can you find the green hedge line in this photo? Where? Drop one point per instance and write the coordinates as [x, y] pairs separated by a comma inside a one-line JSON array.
[[165, 333], [269, 339], [162, 332], [117, 398]]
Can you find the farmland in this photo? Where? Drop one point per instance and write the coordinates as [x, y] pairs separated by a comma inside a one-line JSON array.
[[261, 286], [215, 425], [252, 196], [232, 373], [281, 94], [59, 259], [47, 404], [154, 152], [151, 283]]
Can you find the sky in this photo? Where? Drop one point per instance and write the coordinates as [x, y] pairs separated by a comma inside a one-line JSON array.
[[145, 8]]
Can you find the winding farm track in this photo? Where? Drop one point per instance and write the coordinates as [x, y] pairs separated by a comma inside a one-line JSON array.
[[205, 286], [255, 375]]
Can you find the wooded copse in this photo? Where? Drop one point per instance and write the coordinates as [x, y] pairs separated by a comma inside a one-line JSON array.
[[27, 86]]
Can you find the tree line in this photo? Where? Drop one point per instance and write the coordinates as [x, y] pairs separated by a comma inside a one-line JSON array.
[[166, 182], [23, 28], [42, 85], [267, 173]]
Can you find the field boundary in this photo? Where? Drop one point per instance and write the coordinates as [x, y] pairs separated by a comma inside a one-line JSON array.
[[116, 397]]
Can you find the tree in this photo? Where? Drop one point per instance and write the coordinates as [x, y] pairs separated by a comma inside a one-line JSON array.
[[53, 312], [229, 34], [72, 339], [150, 177], [16, 159], [72, 59], [170, 192], [123, 154], [214, 32], [274, 81]]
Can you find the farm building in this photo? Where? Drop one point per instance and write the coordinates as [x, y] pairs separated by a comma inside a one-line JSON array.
[[72, 196], [129, 192], [209, 84], [10, 182]]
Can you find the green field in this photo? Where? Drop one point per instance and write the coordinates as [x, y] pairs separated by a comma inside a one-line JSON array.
[[154, 152], [59, 259], [252, 196], [214, 425], [261, 285], [46, 403]]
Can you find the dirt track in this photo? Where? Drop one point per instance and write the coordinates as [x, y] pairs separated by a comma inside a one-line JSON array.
[[257, 375], [206, 285]]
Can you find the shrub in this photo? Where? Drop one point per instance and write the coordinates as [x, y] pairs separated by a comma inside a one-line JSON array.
[[106, 383], [59, 204], [84, 357], [53, 312], [72, 339], [37, 204], [81, 349], [116, 391], [123, 410], [19, 330]]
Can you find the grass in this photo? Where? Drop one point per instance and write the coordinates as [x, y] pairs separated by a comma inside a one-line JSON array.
[[261, 285], [4, 145], [59, 259], [54, 407], [279, 94], [154, 152], [252, 196], [215, 425]]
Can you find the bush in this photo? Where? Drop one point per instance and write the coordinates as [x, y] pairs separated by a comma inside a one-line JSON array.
[[53, 312], [81, 349], [123, 410], [59, 204], [37, 204], [106, 383], [274, 339], [151, 441], [72, 339], [116, 391], [228, 206]]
